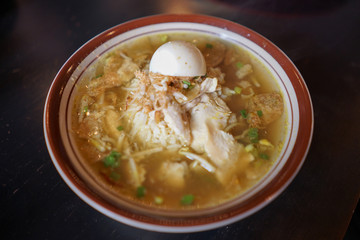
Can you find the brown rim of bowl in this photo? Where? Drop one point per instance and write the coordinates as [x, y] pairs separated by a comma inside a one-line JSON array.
[[260, 199]]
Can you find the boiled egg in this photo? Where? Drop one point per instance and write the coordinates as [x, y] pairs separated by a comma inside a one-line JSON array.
[[178, 58]]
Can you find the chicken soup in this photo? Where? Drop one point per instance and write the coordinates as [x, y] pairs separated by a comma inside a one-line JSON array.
[[178, 120]]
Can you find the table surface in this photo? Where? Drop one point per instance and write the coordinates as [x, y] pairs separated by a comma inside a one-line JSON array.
[[321, 37]]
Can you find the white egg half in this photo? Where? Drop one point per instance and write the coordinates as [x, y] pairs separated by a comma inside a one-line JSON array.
[[178, 58]]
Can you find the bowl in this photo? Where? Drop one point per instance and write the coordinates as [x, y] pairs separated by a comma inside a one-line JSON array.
[[298, 135]]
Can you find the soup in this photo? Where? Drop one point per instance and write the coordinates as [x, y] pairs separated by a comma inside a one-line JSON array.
[[177, 142]]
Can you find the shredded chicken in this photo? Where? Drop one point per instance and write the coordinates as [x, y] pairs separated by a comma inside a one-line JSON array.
[[176, 118], [119, 70]]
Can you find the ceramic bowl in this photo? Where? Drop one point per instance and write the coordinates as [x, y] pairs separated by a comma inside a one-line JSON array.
[[296, 144]]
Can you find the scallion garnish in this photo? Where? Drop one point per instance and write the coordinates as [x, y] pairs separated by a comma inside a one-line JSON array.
[[111, 160], [253, 135], [120, 128], [208, 45], [100, 75], [86, 109], [188, 85], [158, 200], [243, 113], [114, 175], [164, 38], [237, 90], [140, 191], [186, 82], [259, 113], [264, 156], [239, 64], [187, 199]]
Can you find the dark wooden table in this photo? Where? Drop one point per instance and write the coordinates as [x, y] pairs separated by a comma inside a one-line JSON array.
[[321, 37]]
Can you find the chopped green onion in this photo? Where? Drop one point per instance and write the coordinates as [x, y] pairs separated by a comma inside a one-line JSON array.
[[114, 175], [140, 191], [111, 160], [116, 154], [264, 156], [259, 113], [239, 64], [164, 38], [208, 45], [249, 147], [253, 135], [187, 83], [237, 90], [266, 142], [243, 113], [158, 200], [86, 109], [187, 199], [120, 128], [100, 75]]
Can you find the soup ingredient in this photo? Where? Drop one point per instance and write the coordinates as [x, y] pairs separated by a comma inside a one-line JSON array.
[[243, 113], [187, 199], [243, 70], [253, 135], [160, 129], [264, 109], [158, 200], [237, 90], [239, 65], [115, 176], [266, 142], [173, 174], [178, 58], [140, 191], [112, 160]]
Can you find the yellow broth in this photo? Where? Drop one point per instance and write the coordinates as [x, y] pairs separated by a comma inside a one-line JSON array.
[[201, 184]]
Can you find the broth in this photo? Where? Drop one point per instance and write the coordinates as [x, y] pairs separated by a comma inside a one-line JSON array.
[[148, 161]]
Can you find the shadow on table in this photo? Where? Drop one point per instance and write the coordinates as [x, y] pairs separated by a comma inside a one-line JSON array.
[[285, 6], [7, 16], [353, 231]]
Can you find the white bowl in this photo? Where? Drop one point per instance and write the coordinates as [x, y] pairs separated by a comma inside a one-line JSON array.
[[65, 157]]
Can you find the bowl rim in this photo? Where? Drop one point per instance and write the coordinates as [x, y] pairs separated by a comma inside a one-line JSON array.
[[259, 200]]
